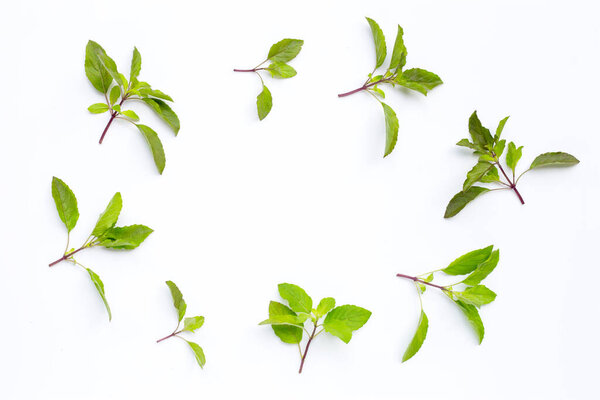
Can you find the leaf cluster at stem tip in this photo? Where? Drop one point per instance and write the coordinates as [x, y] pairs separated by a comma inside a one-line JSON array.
[[104, 234], [416, 79], [468, 294], [279, 55], [288, 322], [489, 148], [190, 324], [102, 73]]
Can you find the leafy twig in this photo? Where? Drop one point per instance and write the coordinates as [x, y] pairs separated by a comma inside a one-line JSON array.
[[280, 53], [288, 322], [416, 79], [189, 324], [102, 72], [478, 264], [105, 233], [489, 149]]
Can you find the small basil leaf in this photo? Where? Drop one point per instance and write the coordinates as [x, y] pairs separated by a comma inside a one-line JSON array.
[[264, 102], [461, 199], [553, 160], [66, 203], [418, 338]]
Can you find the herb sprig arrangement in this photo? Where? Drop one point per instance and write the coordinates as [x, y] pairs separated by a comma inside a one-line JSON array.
[[489, 149], [288, 323], [102, 72], [105, 233], [416, 79], [279, 55], [469, 296], [189, 324]]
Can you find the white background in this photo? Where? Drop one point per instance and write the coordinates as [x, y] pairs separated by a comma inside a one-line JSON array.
[[303, 196]]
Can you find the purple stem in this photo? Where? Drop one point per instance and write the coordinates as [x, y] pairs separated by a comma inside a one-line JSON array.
[[415, 279]]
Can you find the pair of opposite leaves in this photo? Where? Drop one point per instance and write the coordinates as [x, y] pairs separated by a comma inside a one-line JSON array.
[[106, 234], [416, 79]]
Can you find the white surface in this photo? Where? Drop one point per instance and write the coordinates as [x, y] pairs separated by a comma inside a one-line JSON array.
[[301, 197]]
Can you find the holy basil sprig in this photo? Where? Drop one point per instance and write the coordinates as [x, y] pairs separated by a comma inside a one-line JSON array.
[[105, 233], [489, 149], [280, 53], [469, 296], [288, 322], [416, 79], [102, 72], [189, 324]]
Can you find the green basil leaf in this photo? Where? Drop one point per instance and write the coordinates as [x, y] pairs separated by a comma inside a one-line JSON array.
[[264, 102], [158, 153], [476, 295], [199, 353], [165, 112], [293, 320], [499, 148], [499, 131], [418, 79], [553, 159], [66, 203], [136, 64], [287, 333], [343, 320], [399, 53], [513, 155], [98, 108], [475, 174], [147, 91], [325, 305], [125, 237], [281, 70], [296, 296], [379, 39], [466, 143], [474, 319], [461, 199], [285, 50], [111, 67], [95, 71], [391, 129], [481, 136], [100, 288], [192, 323], [491, 175], [469, 262], [178, 301], [109, 217], [378, 91], [484, 269], [418, 338], [130, 114], [115, 93]]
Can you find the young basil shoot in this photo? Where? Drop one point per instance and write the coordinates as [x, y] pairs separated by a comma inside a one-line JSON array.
[[288, 322], [189, 324], [489, 149], [416, 79], [279, 54], [102, 72], [105, 233], [478, 264]]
